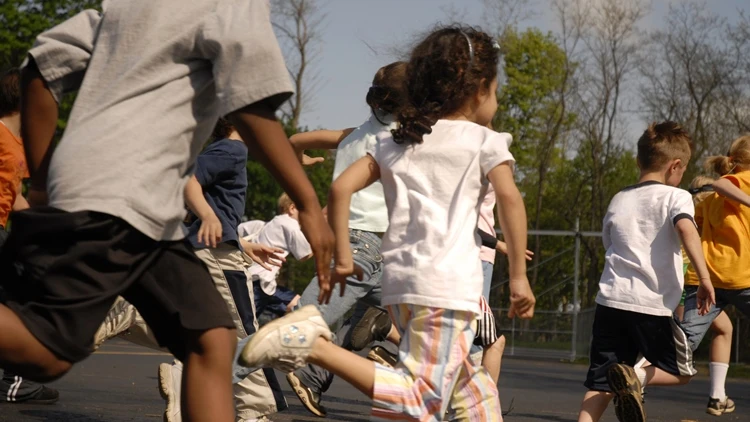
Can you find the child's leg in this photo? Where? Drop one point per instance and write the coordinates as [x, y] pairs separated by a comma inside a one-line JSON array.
[[493, 358], [475, 397], [593, 406], [206, 386], [721, 350]]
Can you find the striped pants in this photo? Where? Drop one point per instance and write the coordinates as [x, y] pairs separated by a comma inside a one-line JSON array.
[[434, 376]]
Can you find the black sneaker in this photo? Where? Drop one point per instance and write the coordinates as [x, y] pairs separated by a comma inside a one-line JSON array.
[[717, 407], [627, 390], [45, 395], [309, 398], [380, 355], [374, 326]]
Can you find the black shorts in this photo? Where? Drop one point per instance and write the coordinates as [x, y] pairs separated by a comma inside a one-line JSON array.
[[623, 336], [63, 271]]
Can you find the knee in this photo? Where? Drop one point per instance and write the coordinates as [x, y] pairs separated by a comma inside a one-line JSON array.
[[216, 341], [684, 379]]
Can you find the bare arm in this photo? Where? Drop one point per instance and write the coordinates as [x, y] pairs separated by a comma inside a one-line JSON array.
[[210, 230], [319, 139], [20, 203], [268, 143], [728, 189], [692, 242], [358, 176], [512, 219], [39, 115]]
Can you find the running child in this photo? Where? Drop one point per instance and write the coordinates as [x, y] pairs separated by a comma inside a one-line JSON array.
[[723, 218], [642, 281], [114, 222], [435, 170]]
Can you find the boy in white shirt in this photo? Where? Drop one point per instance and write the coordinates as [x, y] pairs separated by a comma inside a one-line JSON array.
[[642, 281], [282, 232]]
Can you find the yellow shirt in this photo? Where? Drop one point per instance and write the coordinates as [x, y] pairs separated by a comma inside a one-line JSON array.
[[725, 237]]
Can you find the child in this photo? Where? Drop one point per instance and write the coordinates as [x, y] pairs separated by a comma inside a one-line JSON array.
[[642, 281], [368, 220], [282, 232], [14, 389], [435, 170], [723, 219], [115, 191]]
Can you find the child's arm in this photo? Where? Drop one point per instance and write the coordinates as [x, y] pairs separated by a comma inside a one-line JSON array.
[[263, 255], [38, 123], [210, 231], [492, 242], [727, 189], [20, 203], [692, 242], [319, 139], [267, 141], [512, 218], [359, 175]]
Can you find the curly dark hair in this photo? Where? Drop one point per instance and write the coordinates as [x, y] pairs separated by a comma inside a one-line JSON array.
[[387, 93], [222, 130], [444, 71], [10, 92]]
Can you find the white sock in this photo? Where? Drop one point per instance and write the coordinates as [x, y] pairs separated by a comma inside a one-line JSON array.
[[718, 372], [641, 374]]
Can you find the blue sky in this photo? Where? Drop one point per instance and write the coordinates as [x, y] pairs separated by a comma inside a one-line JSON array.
[[358, 37]]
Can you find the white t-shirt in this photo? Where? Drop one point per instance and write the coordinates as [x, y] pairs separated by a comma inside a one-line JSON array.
[[285, 233], [367, 210], [250, 230], [159, 75], [434, 191], [643, 264]]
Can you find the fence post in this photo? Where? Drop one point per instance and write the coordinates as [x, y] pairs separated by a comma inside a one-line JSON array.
[[576, 308]]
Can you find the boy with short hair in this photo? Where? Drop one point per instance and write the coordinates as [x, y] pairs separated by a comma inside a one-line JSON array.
[[642, 281], [115, 190]]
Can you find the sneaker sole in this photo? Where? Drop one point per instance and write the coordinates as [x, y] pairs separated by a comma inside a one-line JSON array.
[[622, 382], [301, 393], [247, 358], [165, 386], [363, 336], [717, 412], [376, 358]]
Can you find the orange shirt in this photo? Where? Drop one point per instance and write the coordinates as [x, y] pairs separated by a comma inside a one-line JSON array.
[[13, 169], [725, 237]]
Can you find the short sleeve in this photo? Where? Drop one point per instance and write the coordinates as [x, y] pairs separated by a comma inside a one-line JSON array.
[[495, 150], [296, 243], [214, 164], [247, 62], [62, 53], [681, 206]]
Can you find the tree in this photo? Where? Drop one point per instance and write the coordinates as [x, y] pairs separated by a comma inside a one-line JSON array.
[[297, 24]]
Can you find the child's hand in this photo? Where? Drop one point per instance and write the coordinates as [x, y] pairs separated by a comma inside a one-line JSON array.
[[319, 235], [264, 255], [210, 232], [339, 276], [522, 299], [706, 297], [292, 304], [503, 247], [306, 160]]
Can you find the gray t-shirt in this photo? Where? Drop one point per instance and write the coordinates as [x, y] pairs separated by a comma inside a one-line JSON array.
[[159, 75]]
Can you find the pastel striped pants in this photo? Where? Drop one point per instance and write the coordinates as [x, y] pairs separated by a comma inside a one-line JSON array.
[[435, 379]]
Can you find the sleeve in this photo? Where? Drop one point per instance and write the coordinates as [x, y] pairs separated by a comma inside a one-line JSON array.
[[247, 62], [296, 242], [213, 165], [62, 53], [681, 206], [732, 178], [494, 150], [488, 240]]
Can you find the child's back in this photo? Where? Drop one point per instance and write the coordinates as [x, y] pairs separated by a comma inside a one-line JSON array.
[[433, 191], [146, 107], [643, 264]]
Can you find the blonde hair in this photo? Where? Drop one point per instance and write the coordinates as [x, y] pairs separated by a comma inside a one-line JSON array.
[[662, 143], [700, 181], [285, 203], [737, 157]]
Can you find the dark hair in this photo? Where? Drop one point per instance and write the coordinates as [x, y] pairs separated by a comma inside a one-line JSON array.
[[222, 130], [738, 156], [387, 91], [10, 92], [663, 142], [444, 71]]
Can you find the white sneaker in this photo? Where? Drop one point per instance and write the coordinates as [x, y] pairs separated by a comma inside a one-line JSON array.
[[119, 319], [285, 343], [170, 384]]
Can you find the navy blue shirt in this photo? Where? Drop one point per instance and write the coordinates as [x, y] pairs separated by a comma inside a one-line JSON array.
[[220, 169]]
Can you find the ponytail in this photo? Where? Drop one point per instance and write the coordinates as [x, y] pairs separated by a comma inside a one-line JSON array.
[[738, 157]]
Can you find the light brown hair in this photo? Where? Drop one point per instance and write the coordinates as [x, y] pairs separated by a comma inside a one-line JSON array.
[[700, 181], [662, 143], [737, 157], [285, 203]]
